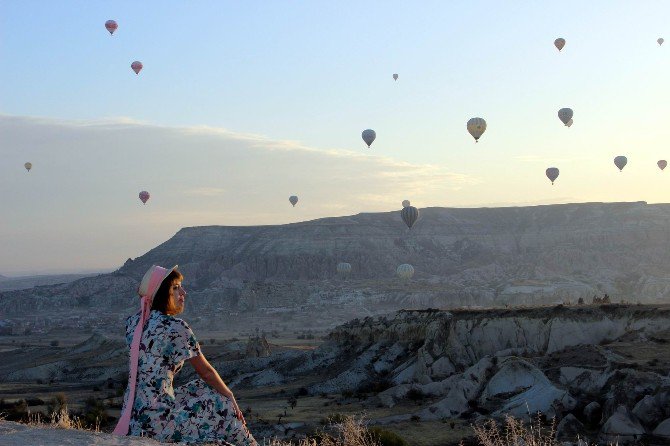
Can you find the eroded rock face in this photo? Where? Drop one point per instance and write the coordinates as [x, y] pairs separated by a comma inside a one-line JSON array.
[[569, 428], [540, 254], [663, 429], [622, 426]]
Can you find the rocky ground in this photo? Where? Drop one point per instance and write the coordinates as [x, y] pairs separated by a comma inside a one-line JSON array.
[[603, 372]]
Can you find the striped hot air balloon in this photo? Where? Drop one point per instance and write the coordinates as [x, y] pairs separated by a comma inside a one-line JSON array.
[[476, 127], [620, 161], [144, 196], [552, 174], [369, 136], [111, 26], [559, 43], [344, 268], [405, 271], [409, 215]]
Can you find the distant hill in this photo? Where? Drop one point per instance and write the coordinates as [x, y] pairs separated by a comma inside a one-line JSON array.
[[481, 256], [26, 282]]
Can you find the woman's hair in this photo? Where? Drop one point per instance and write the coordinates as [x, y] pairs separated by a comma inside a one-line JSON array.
[[162, 301]]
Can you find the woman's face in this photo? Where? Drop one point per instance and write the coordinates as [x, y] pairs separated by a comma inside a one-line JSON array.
[[177, 296]]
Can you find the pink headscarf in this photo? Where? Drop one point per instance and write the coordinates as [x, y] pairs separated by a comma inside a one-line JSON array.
[[147, 290]]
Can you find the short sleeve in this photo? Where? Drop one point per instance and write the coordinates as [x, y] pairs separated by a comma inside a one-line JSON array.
[[185, 344]]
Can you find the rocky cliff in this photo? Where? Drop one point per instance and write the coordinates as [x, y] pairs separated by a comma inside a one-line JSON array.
[[486, 256]]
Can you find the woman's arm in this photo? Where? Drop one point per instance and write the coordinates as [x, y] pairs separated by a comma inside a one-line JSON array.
[[209, 374]]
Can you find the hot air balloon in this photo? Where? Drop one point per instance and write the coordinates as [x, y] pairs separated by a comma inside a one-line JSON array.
[[405, 271], [570, 122], [344, 268], [111, 26], [137, 66], [660, 41], [395, 76], [559, 43], [409, 215], [405, 203], [662, 164], [552, 174], [476, 127], [369, 136], [620, 161], [28, 166], [144, 196], [565, 115], [293, 200]]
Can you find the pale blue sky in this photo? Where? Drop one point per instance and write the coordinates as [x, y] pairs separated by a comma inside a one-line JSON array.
[[316, 73]]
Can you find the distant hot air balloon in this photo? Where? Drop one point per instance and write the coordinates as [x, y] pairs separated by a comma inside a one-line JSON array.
[[565, 115], [409, 215], [660, 41], [395, 76], [405, 203], [293, 200], [369, 136], [144, 196], [137, 66], [620, 162], [559, 43], [662, 164], [570, 122], [28, 166], [111, 26], [476, 127], [405, 271], [552, 174], [344, 268]]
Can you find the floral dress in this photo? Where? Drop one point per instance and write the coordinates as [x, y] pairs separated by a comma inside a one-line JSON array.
[[192, 413]]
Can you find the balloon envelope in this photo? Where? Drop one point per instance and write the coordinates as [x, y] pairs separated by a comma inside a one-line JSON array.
[[565, 115], [409, 215], [662, 164], [344, 268], [620, 162], [405, 203], [111, 26], [405, 271], [395, 77], [559, 43], [293, 200], [552, 174], [28, 166], [476, 127], [368, 136], [137, 66], [660, 40], [144, 196]]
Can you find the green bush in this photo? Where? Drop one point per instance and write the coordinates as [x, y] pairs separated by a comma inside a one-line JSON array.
[[386, 438]]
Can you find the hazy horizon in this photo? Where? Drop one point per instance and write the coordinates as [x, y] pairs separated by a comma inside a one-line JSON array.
[[240, 106]]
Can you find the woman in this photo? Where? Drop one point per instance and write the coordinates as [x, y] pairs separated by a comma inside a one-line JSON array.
[[203, 410]]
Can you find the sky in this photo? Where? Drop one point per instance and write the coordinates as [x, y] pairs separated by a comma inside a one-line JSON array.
[[242, 104]]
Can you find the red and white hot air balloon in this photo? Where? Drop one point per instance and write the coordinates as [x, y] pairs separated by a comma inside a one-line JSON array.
[[111, 26], [144, 196], [137, 66]]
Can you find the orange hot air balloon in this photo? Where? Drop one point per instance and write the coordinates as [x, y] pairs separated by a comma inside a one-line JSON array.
[[144, 196], [137, 66], [111, 26]]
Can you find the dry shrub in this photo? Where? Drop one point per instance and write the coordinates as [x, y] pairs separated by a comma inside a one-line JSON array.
[[515, 433], [351, 431]]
